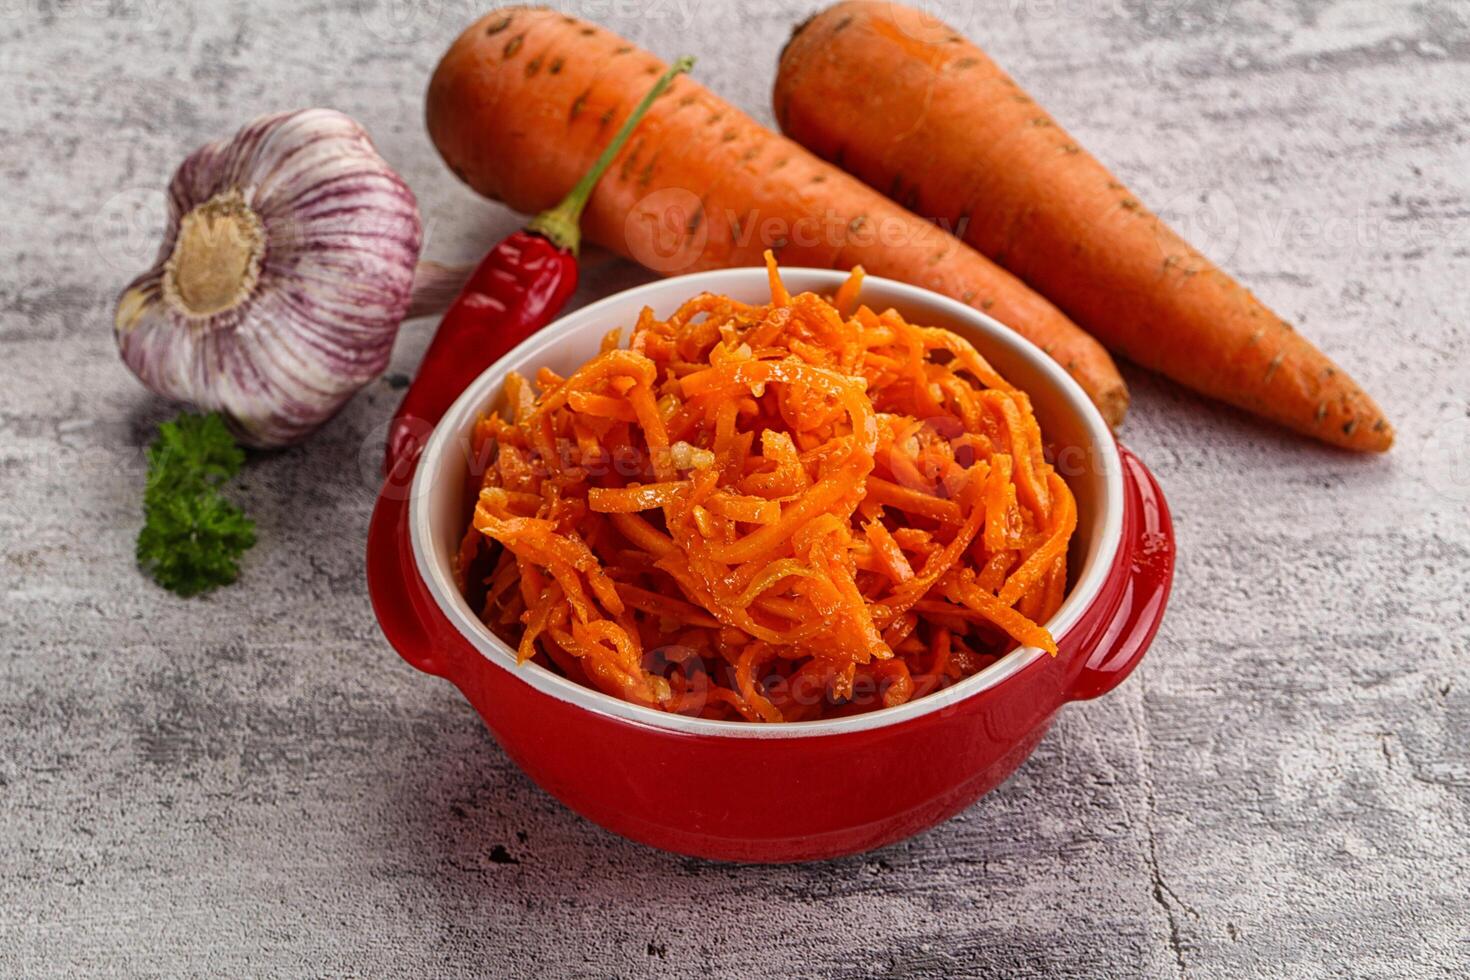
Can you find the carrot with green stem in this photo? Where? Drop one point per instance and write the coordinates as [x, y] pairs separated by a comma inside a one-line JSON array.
[[953, 137]]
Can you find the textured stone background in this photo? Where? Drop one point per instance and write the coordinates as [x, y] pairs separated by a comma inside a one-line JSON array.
[[254, 783]]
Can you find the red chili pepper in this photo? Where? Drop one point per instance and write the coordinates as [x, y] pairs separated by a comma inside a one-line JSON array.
[[517, 289]]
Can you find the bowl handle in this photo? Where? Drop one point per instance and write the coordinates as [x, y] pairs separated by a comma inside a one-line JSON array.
[[1147, 564], [404, 609]]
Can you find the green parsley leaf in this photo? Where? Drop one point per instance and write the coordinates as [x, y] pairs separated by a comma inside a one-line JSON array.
[[192, 537]]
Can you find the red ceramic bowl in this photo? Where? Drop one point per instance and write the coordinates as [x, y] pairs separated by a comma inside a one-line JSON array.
[[808, 790]]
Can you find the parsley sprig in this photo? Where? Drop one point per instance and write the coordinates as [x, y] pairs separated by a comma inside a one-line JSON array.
[[192, 537]]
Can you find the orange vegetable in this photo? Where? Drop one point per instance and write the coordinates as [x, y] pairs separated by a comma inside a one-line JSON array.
[[525, 99], [788, 533], [953, 137]]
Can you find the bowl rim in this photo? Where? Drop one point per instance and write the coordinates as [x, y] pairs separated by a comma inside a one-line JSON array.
[[484, 389]]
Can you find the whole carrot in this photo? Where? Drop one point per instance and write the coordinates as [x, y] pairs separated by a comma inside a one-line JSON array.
[[525, 97], [950, 135]]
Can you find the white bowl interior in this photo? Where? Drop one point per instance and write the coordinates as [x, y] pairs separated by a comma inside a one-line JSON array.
[[1086, 457]]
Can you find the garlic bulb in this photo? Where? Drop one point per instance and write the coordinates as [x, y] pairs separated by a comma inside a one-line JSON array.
[[287, 267]]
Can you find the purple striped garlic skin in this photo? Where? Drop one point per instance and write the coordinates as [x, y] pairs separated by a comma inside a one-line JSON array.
[[287, 267]]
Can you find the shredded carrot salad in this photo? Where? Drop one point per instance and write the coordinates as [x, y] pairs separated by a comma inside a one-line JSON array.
[[800, 510]]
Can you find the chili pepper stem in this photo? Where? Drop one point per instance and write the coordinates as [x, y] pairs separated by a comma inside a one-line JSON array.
[[561, 225]]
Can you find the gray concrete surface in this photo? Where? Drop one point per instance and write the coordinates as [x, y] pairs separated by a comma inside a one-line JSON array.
[[254, 784]]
